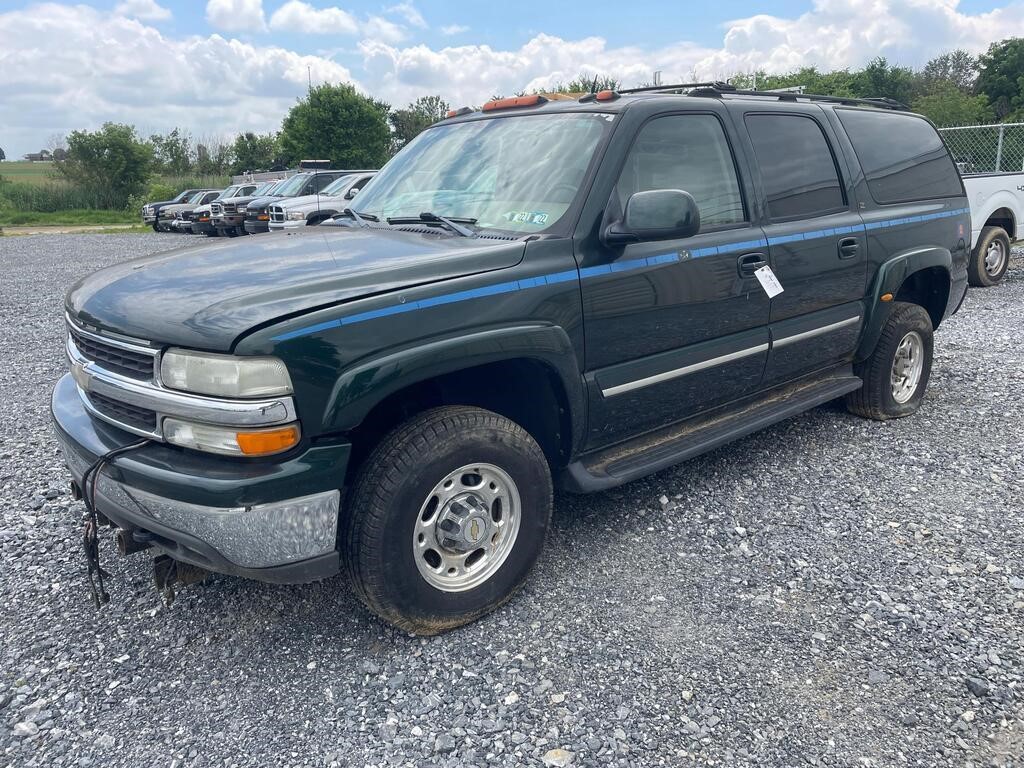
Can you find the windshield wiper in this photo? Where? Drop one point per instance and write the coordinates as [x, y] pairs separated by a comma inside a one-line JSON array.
[[454, 224], [359, 218]]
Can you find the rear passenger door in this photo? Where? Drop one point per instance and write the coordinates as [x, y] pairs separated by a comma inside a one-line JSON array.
[[816, 242]]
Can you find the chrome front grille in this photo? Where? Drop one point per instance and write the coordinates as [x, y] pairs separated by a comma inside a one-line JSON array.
[[124, 414], [216, 209], [117, 357], [277, 214]]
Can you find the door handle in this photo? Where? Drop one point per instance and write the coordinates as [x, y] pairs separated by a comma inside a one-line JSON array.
[[848, 247], [749, 263]]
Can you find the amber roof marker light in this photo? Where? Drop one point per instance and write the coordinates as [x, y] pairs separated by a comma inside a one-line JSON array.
[[514, 101], [458, 112]]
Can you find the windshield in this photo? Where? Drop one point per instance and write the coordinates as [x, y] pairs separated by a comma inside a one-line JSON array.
[[266, 189], [197, 197], [513, 173], [184, 196], [290, 187], [229, 192], [337, 186]]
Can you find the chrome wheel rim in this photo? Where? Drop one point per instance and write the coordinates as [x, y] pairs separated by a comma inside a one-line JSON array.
[[907, 366], [995, 256], [467, 527]]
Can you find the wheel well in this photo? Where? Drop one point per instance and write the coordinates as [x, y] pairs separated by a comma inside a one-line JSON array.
[[930, 289], [526, 391], [1003, 218]]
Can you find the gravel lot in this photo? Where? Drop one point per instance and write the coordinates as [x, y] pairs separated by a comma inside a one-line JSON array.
[[829, 592]]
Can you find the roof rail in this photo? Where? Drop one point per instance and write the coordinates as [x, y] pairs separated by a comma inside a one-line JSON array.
[[718, 85], [714, 91]]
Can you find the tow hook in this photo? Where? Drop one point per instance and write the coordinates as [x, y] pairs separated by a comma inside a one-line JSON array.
[[128, 543], [167, 572]]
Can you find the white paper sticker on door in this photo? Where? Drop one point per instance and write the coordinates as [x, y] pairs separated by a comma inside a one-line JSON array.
[[768, 281]]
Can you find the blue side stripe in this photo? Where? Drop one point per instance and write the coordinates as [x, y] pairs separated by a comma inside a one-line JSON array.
[[605, 269]]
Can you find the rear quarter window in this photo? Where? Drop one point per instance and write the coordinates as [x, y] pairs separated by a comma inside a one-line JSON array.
[[902, 156]]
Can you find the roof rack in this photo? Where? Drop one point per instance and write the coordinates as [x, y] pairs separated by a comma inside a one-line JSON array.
[[730, 90], [718, 88], [716, 84]]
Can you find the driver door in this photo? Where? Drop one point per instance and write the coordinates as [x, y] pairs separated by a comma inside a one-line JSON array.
[[675, 327]]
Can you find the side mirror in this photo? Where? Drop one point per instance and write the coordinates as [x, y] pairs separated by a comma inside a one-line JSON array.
[[351, 193], [659, 214]]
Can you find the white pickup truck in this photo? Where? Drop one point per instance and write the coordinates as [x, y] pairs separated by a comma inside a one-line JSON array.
[[997, 213]]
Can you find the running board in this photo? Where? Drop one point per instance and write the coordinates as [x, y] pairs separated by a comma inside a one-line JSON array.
[[670, 445]]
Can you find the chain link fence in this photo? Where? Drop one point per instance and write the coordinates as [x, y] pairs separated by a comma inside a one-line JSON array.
[[987, 148]]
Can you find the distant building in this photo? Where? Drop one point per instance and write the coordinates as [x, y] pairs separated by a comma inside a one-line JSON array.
[[42, 156]]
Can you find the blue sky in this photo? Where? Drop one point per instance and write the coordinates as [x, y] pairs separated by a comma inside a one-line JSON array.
[[216, 67]]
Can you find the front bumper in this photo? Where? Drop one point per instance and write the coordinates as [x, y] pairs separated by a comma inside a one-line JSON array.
[[254, 227], [273, 521], [226, 221], [202, 227], [277, 226]]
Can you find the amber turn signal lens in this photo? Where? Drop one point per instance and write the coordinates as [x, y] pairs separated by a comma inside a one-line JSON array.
[[886, 297], [267, 442], [263, 217]]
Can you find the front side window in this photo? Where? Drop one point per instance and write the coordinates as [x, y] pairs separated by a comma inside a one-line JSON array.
[[291, 186], [519, 173], [687, 152], [902, 155], [798, 170]]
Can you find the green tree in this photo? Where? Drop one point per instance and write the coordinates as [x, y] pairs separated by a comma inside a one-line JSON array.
[[958, 69], [408, 123], [880, 80], [584, 83], [336, 123], [252, 152], [1001, 76], [2, 155], [213, 158], [172, 152], [113, 163], [947, 105]]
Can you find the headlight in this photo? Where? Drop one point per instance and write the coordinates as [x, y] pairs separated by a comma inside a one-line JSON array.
[[255, 442], [295, 216], [224, 375], [241, 209]]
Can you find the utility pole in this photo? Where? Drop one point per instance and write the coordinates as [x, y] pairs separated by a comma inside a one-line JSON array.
[[309, 78]]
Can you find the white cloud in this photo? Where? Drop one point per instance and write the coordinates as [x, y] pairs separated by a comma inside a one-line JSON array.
[[379, 28], [236, 15], [148, 10], [410, 13], [138, 75], [454, 29], [297, 16]]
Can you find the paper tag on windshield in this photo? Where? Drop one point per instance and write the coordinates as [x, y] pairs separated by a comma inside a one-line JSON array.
[[768, 281]]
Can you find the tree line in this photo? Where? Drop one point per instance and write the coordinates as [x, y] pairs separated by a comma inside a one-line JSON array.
[[351, 130]]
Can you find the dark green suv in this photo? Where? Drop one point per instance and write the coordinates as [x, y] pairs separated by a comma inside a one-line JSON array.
[[537, 293]]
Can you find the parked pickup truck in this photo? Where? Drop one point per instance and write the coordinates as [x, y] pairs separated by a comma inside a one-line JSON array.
[[201, 218], [150, 210], [257, 213], [168, 214], [601, 289], [228, 216], [310, 210], [997, 208]]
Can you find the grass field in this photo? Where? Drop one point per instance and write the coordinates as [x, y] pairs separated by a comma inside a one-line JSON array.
[[9, 218], [26, 172]]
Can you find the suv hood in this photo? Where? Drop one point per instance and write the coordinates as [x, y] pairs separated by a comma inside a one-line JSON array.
[[297, 202], [206, 297], [262, 202]]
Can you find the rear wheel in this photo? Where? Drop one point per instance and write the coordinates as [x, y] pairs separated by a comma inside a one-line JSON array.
[[896, 375], [156, 227], [446, 518], [990, 257]]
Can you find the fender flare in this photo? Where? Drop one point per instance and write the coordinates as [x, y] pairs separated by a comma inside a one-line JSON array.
[[368, 382], [994, 202], [890, 277]]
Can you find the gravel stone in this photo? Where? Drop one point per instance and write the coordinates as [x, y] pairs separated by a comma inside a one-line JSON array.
[[867, 557]]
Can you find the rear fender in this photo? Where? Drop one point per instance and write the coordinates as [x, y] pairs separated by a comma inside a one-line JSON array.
[[890, 277]]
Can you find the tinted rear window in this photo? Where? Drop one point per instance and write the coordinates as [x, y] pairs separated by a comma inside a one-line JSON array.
[[902, 156], [797, 167]]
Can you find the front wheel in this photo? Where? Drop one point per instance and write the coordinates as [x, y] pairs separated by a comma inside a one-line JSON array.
[[446, 518], [896, 375], [990, 258]]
